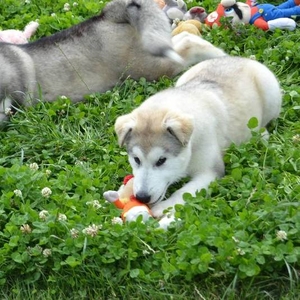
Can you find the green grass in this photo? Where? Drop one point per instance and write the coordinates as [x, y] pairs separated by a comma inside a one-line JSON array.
[[225, 247]]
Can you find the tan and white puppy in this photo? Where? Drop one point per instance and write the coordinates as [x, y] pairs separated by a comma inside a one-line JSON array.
[[183, 131]]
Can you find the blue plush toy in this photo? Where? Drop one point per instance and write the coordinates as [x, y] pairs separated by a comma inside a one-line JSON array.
[[263, 16]]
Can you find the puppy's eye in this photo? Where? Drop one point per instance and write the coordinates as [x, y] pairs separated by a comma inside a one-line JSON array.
[[137, 160], [160, 162]]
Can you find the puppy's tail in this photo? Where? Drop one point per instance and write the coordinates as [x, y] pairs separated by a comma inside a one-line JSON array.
[[150, 22]]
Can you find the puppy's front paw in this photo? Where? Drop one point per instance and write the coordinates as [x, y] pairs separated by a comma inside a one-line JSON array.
[[158, 209], [165, 222]]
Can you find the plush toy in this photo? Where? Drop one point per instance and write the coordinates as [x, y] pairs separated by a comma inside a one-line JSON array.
[[191, 26], [125, 200], [19, 37], [175, 9], [196, 13], [263, 16]]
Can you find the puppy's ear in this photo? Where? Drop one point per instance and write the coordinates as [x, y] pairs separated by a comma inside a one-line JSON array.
[[123, 128], [179, 125]]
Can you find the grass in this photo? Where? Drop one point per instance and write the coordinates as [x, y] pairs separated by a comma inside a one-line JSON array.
[[228, 244]]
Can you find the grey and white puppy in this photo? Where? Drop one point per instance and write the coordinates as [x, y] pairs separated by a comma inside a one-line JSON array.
[[183, 131], [129, 38]]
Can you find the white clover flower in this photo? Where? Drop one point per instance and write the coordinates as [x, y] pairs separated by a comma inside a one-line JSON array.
[[75, 4], [74, 233], [67, 7], [63, 97], [8, 111], [46, 192], [296, 138], [48, 172], [25, 228], [79, 163], [43, 214], [53, 15], [281, 235], [62, 217], [92, 230], [95, 204], [47, 252], [116, 220], [240, 251], [27, 1], [18, 193], [146, 252], [161, 283], [34, 166], [235, 239], [253, 57]]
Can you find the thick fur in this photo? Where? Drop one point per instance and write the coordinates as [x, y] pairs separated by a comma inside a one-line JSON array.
[[130, 38], [183, 131]]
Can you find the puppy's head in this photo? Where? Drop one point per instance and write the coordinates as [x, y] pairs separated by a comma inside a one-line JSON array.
[[158, 146]]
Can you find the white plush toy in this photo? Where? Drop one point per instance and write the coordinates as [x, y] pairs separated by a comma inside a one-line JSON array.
[[17, 36], [175, 9]]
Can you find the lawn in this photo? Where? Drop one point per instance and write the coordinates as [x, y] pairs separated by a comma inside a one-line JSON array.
[[59, 239]]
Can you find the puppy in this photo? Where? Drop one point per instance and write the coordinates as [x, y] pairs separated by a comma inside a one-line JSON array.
[[129, 38], [183, 131]]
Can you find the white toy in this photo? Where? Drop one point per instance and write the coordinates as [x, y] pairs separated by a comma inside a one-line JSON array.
[[17, 36]]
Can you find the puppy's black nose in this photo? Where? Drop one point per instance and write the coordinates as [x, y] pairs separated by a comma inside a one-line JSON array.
[[143, 197]]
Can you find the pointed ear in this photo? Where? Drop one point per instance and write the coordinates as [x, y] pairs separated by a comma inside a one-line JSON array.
[[123, 128], [179, 125]]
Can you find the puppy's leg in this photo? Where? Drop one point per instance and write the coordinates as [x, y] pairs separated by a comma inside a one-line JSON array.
[[194, 49], [197, 183]]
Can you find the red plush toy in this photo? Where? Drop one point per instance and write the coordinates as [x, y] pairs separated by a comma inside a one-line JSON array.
[[125, 200]]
